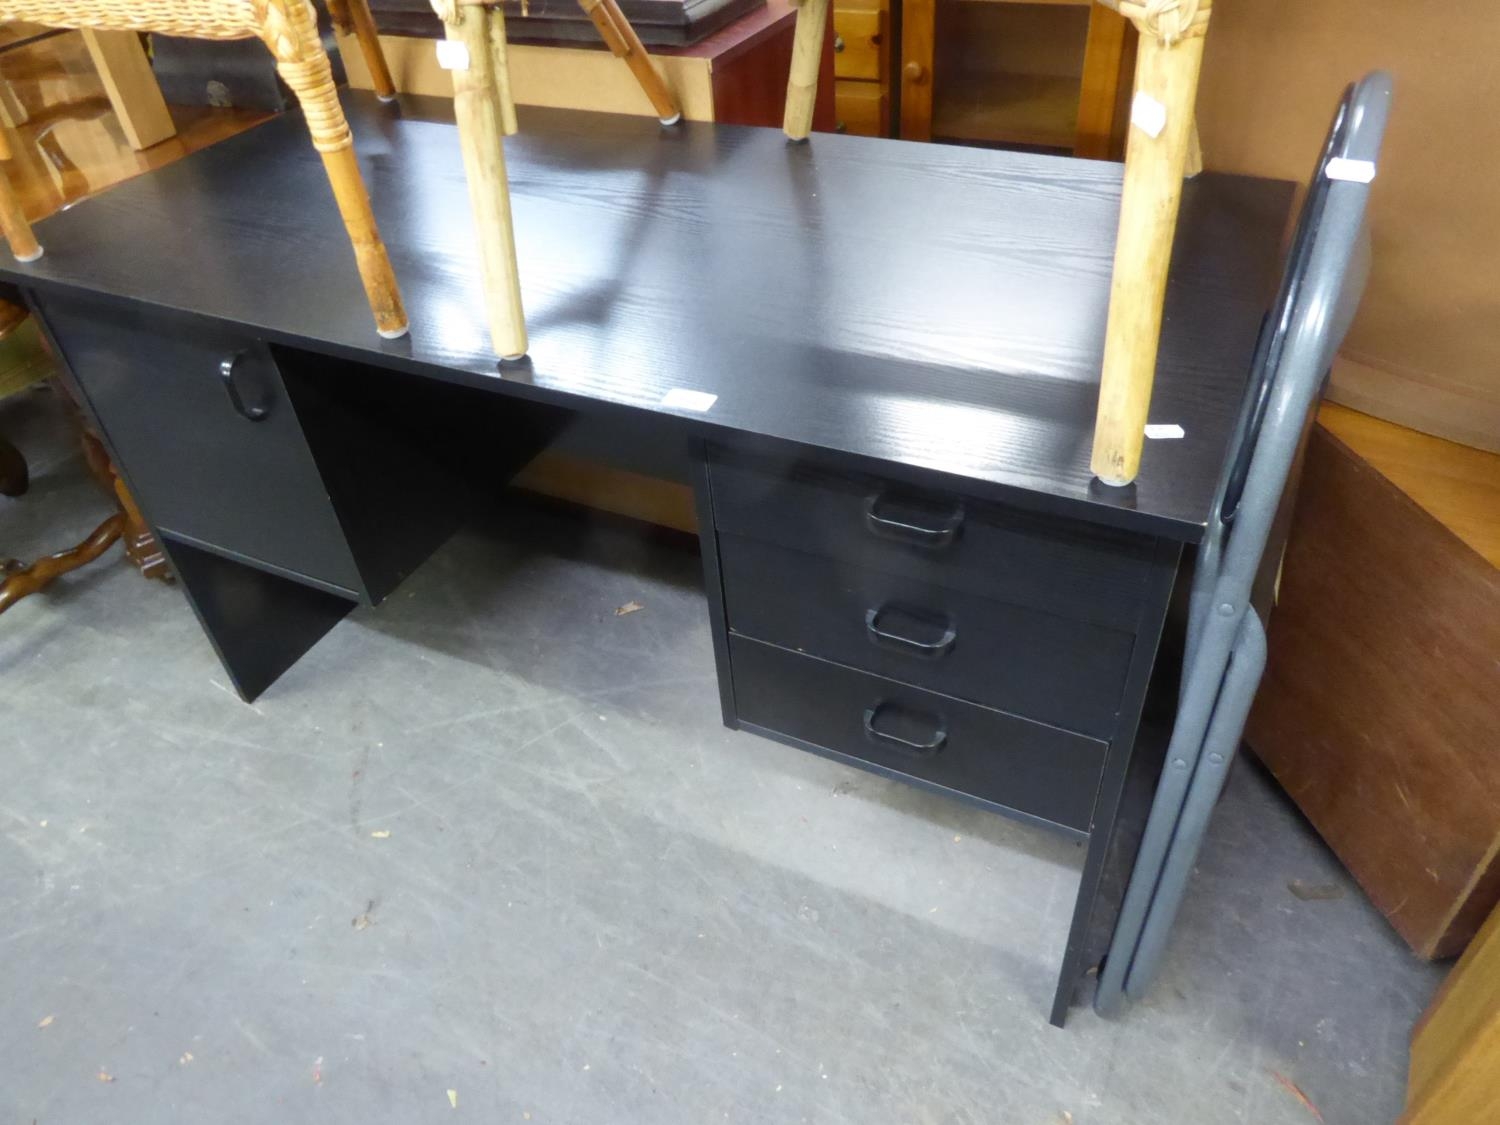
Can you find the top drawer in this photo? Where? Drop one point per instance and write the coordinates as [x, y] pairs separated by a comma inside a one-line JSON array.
[[1067, 568], [216, 456]]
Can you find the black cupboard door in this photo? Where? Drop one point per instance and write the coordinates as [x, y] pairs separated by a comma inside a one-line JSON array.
[[205, 434]]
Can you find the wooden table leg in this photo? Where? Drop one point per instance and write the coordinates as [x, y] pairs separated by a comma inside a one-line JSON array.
[[1166, 86], [131, 86], [807, 61]]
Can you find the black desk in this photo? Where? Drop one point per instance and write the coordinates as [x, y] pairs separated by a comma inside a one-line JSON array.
[[876, 362]]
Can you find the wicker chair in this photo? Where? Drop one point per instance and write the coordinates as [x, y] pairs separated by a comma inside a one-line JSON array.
[[289, 30]]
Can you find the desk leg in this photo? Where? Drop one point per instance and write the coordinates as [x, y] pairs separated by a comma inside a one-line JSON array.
[[1124, 797], [259, 624]]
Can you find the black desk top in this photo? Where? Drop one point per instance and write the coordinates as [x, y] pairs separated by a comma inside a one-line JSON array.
[[932, 306]]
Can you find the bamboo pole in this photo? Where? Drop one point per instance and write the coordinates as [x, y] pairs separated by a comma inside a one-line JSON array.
[[807, 61], [621, 38], [23, 244], [477, 105], [356, 17], [500, 49], [1166, 86]]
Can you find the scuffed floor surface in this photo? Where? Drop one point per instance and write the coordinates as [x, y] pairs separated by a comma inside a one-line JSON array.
[[487, 854]]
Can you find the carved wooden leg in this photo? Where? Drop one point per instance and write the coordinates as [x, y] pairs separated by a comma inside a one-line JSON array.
[[290, 32], [477, 105], [141, 547], [23, 244], [20, 583], [352, 17], [1166, 86], [621, 38], [807, 60]]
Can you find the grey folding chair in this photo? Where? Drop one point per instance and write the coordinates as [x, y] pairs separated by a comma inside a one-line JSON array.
[[1226, 643]]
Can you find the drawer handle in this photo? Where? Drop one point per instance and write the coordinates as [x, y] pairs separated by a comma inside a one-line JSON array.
[[904, 745], [253, 411], [929, 650], [941, 534]]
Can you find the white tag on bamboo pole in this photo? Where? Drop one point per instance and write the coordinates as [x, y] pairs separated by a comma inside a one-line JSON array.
[[1147, 114], [452, 55], [679, 399], [1354, 171], [1165, 430]]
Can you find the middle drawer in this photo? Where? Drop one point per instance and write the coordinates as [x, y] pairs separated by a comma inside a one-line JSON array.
[[1056, 670]]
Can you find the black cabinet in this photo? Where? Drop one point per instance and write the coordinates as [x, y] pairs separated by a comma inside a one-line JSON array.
[[205, 430], [926, 633]]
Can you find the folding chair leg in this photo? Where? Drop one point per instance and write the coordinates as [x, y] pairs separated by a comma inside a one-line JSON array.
[[477, 104], [1156, 156], [352, 17], [23, 243], [621, 38], [807, 61]]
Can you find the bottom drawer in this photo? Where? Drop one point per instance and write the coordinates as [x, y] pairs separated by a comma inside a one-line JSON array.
[[1027, 767]]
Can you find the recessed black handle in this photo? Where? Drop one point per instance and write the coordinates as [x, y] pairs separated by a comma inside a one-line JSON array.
[[251, 411], [940, 533], [929, 650], [905, 745]]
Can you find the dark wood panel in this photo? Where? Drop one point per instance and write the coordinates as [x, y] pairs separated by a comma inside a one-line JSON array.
[[929, 306], [1380, 706], [260, 624], [1061, 567], [1037, 665], [202, 469], [1039, 771]]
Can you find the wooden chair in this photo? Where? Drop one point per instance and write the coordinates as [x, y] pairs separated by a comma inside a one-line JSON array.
[[18, 579], [289, 30]]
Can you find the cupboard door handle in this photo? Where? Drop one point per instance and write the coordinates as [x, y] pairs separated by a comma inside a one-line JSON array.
[[940, 534], [904, 745], [251, 411], [929, 650]]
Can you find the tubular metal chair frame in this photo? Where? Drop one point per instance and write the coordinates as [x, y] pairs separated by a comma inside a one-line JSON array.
[[1226, 643]]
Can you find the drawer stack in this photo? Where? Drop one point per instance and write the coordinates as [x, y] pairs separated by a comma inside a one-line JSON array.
[[961, 644]]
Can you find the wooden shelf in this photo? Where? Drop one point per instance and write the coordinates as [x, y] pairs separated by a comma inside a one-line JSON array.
[[1007, 109]]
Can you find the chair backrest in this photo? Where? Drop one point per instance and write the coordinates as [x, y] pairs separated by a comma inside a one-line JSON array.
[[1321, 286]]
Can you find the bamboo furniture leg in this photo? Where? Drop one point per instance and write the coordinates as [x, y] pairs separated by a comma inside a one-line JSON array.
[[621, 38], [23, 243], [352, 17], [807, 60], [1166, 86], [290, 31], [480, 87]]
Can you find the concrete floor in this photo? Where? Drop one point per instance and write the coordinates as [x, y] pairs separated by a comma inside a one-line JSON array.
[[490, 843]]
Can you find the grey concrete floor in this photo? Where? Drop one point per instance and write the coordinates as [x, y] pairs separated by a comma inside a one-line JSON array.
[[490, 844]]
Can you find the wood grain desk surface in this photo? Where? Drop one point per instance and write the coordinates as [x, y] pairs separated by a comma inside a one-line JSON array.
[[929, 306]]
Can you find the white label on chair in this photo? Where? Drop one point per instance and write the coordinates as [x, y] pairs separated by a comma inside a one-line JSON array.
[[452, 55], [1147, 114], [1355, 171], [679, 399], [1168, 430]]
